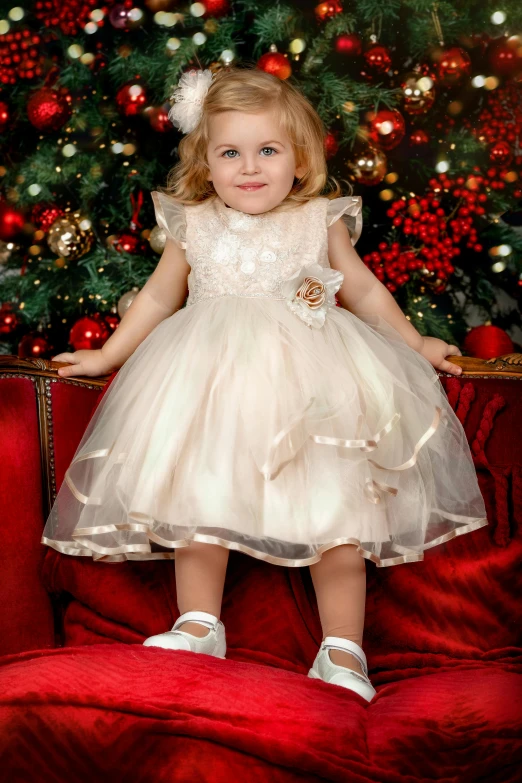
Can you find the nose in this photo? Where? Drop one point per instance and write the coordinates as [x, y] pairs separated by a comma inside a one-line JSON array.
[[250, 164]]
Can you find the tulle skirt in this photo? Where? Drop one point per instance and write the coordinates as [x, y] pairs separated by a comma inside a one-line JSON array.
[[235, 423]]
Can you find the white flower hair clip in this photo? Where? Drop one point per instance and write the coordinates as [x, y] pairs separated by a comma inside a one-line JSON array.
[[311, 291], [189, 96]]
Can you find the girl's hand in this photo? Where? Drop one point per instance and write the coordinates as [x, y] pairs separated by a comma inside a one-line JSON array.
[[435, 351], [84, 362]]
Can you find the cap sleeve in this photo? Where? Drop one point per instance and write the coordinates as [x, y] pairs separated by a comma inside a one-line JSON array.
[[170, 215], [349, 209]]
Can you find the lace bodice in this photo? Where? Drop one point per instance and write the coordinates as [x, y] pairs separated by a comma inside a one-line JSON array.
[[232, 253]]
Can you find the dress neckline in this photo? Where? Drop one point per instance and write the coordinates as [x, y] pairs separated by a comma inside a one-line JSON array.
[[234, 219]]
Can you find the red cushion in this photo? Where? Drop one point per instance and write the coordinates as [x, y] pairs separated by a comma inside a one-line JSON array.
[[159, 715]]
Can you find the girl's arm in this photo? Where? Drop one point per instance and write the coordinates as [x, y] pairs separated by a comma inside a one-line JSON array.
[[163, 294], [362, 292]]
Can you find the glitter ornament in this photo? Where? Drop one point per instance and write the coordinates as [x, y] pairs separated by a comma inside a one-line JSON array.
[[68, 239], [49, 109]]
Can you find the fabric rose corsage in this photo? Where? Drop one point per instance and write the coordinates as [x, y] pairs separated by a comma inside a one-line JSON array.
[[311, 291]]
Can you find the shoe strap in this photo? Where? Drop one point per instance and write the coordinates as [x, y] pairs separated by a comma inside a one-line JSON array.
[[204, 618], [338, 643]]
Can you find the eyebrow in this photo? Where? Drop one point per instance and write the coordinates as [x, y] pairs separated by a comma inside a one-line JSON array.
[[263, 143]]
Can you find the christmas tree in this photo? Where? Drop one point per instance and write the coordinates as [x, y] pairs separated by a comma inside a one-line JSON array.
[[422, 109]]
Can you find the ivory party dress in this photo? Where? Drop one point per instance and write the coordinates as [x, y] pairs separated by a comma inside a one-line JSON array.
[[265, 418]]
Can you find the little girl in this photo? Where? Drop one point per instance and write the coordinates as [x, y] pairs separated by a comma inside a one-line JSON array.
[[261, 417]]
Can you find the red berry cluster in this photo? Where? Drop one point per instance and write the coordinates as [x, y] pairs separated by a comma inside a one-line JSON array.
[[20, 57], [425, 220], [501, 118], [392, 264], [70, 17]]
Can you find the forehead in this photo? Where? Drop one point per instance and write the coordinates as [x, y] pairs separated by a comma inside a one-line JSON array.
[[245, 127]]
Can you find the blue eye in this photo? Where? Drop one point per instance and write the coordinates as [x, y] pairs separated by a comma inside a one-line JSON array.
[[225, 154]]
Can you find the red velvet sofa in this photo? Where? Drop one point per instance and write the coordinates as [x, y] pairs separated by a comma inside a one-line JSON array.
[[82, 700]]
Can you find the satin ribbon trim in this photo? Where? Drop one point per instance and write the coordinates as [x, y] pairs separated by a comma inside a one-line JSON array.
[[420, 443], [374, 490], [89, 455], [129, 552], [363, 444]]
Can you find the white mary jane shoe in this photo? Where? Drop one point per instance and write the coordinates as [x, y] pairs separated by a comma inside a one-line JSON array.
[[324, 669], [214, 643]]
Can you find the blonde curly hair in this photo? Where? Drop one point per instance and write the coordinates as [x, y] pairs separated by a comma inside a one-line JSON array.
[[249, 89]]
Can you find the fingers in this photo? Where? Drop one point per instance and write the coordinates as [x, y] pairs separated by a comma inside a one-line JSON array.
[[72, 369], [454, 350], [454, 369]]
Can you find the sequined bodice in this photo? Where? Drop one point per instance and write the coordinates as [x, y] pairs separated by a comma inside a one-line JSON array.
[[232, 253]]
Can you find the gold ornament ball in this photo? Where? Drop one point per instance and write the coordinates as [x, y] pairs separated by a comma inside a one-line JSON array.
[[418, 93], [368, 166], [158, 239], [68, 239], [125, 301]]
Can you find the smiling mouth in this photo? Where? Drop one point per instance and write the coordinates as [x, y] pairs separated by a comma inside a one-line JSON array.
[[251, 187]]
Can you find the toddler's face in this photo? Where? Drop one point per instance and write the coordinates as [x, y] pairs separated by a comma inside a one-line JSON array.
[[247, 148]]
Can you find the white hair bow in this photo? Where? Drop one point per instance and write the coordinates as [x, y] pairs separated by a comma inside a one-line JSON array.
[[189, 96]]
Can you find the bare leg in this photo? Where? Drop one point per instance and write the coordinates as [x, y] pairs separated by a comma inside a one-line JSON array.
[[200, 578], [339, 580]]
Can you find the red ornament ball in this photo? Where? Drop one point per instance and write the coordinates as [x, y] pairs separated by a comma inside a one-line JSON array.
[[5, 116], [159, 119], [487, 342], [453, 65], [331, 145], [33, 346], [387, 128], [8, 319], [276, 64], [89, 333], [377, 58], [11, 221], [129, 242], [505, 56], [48, 109], [328, 10], [348, 45], [501, 153], [131, 99], [419, 137], [216, 8], [112, 321]]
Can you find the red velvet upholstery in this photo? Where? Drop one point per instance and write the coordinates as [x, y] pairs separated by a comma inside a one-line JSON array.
[[442, 638]]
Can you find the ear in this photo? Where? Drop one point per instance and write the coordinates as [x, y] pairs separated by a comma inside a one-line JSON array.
[[300, 171]]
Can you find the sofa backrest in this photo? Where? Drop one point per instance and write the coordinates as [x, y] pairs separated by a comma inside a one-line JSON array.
[[43, 418], [41, 423]]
